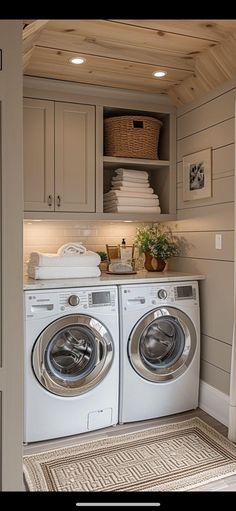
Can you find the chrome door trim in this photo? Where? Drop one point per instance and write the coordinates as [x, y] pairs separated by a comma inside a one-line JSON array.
[[105, 354], [180, 366]]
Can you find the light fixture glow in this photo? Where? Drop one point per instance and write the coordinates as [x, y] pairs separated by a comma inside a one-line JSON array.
[[77, 60], [159, 74]]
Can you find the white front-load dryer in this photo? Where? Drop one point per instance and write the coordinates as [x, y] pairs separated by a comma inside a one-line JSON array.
[[71, 361], [160, 350]]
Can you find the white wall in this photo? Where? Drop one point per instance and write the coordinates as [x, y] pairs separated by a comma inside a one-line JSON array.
[[11, 175], [210, 123]]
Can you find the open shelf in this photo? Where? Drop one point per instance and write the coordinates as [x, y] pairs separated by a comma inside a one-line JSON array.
[[112, 162]]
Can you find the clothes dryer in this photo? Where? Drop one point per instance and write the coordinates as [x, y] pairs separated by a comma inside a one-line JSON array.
[[160, 350]]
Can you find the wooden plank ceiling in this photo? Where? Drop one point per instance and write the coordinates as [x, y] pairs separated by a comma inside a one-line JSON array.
[[197, 55]]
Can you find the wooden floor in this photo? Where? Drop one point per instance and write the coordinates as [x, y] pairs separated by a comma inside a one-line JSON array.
[[226, 484]]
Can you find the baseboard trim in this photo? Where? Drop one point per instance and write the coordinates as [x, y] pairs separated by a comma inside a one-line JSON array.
[[214, 402]]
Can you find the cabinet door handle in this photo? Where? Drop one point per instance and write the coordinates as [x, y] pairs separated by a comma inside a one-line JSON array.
[[50, 200], [58, 201]]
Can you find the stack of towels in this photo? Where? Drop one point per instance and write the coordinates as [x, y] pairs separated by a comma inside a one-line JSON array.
[[71, 261], [131, 193]]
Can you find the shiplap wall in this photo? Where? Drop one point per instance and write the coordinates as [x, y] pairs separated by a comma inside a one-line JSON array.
[[210, 123]]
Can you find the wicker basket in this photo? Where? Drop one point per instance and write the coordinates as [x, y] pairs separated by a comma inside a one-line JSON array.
[[132, 136]]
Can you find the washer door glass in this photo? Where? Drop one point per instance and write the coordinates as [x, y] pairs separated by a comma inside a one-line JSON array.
[[162, 344], [72, 355]]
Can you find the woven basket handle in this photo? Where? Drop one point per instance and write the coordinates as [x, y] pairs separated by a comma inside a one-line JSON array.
[[137, 124]]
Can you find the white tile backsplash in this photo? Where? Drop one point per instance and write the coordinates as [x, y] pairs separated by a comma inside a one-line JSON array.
[[48, 236]]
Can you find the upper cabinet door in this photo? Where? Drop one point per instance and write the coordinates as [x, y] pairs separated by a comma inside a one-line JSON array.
[[74, 157], [38, 155]]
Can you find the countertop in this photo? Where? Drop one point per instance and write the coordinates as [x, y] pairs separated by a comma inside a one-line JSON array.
[[142, 277]]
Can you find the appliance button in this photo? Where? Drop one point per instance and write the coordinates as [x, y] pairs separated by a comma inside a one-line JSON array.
[[73, 300], [162, 294]]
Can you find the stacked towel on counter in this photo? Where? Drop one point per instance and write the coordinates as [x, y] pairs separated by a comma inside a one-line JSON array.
[[131, 193], [71, 261]]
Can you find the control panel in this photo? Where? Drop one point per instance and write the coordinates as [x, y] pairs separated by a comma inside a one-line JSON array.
[[42, 304], [138, 297]]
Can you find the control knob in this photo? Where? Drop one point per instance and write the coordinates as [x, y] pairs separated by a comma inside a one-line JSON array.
[[162, 294], [73, 300]]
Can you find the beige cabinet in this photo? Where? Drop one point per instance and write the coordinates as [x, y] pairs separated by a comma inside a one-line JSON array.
[[59, 156]]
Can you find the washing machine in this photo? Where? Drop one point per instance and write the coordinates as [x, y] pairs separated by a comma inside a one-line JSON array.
[[71, 361], [160, 350]]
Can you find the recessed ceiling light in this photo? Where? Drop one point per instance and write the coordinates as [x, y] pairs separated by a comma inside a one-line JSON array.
[[159, 74], [77, 60]]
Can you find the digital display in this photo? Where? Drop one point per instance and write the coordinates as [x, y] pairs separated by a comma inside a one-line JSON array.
[[101, 297], [184, 291]]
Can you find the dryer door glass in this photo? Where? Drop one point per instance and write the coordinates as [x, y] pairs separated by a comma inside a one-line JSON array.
[[72, 355], [162, 344]]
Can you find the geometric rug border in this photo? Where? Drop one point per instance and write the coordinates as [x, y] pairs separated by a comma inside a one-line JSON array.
[[46, 471]]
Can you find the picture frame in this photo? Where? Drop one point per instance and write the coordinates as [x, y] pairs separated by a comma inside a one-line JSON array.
[[197, 181]]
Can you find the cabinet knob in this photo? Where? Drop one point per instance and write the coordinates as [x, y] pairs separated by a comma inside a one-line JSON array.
[[50, 200], [58, 201]]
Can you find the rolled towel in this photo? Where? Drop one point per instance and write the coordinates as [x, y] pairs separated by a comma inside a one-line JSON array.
[[82, 260], [67, 272], [71, 249]]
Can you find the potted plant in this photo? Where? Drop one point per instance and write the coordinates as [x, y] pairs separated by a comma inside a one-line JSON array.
[[158, 244], [104, 260]]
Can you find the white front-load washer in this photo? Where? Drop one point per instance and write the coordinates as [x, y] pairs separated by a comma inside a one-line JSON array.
[[71, 361], [160, 350]]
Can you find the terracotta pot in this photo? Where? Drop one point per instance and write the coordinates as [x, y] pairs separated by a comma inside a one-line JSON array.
[[103, 265], [153, 263]]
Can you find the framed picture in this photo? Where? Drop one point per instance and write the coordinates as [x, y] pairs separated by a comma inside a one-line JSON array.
[[197, 175]]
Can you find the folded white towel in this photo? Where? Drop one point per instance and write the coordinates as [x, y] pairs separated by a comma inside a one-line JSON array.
[[130, 189], [133, 179], [71, 249], [132, 173], [82, 260], [45, 272], [132, 209], [120, 193], [131, 201], [130, 184]]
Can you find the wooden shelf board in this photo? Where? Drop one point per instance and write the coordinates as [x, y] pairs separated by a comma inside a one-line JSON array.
[[112, 162], [121, 217]]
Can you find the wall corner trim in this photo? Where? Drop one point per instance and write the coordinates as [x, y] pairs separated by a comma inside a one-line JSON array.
[[214, 402]]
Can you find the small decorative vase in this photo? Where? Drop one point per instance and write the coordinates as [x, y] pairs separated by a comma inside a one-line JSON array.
[[153, 263]]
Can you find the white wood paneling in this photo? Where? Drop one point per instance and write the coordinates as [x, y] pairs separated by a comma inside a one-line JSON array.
[[202, 245], [216, 111], [214, 376], [216, 352], [222, 192], [222, 163], [215, 136], [216, 293], [206, 218]]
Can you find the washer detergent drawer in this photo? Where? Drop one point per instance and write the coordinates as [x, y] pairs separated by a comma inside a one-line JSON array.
[[100, 419]]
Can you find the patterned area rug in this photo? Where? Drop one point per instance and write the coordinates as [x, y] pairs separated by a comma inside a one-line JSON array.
[[174, 457]]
